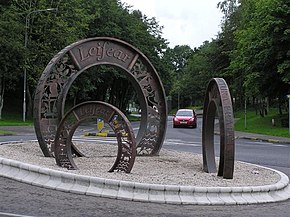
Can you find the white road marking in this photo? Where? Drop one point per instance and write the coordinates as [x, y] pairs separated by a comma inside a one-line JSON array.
[[180, 142], [17, 141], [96, 139], [11, 214], [279, 145]]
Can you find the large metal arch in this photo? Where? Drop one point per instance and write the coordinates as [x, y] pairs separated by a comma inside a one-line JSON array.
[[63, 69], [134, 82], [218, 100]]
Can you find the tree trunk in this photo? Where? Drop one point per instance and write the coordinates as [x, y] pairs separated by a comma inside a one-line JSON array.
[[280, 106], [29, 106]]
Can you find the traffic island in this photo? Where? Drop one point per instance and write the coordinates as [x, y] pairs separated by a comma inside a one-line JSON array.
[[104, 134], [178, 178], [101, 134]]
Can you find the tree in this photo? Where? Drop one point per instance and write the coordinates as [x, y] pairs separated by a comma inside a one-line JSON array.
[[177, 59], [50, 32], [261, 54], [114, 19], [11, 48], [226, 45], [201, 67]]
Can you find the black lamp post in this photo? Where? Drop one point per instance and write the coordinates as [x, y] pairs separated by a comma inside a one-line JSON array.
[[27, 21]]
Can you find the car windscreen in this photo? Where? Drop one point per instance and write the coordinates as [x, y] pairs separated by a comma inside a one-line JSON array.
[[184, 113]]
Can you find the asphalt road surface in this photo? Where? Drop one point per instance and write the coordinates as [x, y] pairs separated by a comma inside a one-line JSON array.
[[27, 200], [273, 155]]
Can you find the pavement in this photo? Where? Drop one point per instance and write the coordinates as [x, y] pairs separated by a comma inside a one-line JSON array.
[[267, 138], [157, 193], [19, 130]]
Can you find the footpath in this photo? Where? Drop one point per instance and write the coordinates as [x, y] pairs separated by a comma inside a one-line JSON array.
[[267, 138]]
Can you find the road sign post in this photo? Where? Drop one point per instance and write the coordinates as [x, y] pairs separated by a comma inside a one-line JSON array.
[[288, 96], [100, 124]]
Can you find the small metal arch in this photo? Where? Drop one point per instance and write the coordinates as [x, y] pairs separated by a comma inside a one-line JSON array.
[[218, 100], [93, 110]]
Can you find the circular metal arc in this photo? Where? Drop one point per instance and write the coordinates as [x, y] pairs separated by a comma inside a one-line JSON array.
[[92, 110], [218, 101]]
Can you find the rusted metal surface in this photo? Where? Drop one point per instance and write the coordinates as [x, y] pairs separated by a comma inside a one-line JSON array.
[[93, 110], [218, 100], [64, 68]]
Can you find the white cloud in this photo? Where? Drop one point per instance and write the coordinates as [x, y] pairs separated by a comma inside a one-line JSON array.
[[186, 22]]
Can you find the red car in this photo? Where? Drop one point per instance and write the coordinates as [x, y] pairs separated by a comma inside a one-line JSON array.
[[185, 117]]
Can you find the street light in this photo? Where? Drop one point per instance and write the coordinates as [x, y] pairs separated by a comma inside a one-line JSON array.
[[27, 21], [288, 96]]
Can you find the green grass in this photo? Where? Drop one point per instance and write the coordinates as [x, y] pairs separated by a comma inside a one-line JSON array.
[[14, 119], [15, 122], [261, 125], [133, 118], [6, 133]]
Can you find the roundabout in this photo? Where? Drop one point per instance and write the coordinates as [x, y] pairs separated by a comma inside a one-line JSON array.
[[251, 184]]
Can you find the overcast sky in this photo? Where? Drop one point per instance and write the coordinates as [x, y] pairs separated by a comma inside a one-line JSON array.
[[186, 22]]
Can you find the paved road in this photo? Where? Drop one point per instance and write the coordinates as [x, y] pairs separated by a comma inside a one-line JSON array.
[[34, 201], [269, 154]]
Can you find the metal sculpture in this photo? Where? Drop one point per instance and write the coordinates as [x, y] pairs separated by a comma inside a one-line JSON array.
[[65, 67], [93, 110], [218, 100]]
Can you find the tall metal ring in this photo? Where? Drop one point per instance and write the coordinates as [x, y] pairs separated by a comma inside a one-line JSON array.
[[65, 67], [218, 100]]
